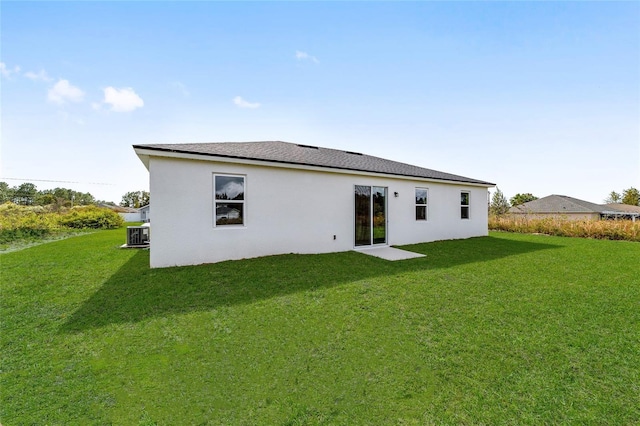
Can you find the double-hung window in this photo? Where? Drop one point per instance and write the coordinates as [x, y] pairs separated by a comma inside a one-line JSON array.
[[464, 205], [421, 203], [229, 199]]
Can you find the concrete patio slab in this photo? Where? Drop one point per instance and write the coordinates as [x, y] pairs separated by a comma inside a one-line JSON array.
[[389, 253]]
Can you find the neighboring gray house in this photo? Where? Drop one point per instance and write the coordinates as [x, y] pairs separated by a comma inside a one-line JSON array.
[[128, 214], [144, 213], [624, 211], [564, 207]]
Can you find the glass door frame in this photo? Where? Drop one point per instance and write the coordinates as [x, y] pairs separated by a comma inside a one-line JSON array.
[[371, 240]]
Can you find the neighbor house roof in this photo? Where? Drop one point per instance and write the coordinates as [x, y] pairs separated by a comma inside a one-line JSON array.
[[222, 209], [306, 155], [558, 204], [119, 209], [622, 208]]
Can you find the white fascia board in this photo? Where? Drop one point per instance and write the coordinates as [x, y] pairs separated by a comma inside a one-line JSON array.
[[144, 155]]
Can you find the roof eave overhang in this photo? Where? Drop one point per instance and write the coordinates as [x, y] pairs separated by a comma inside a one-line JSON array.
[[144, 153]]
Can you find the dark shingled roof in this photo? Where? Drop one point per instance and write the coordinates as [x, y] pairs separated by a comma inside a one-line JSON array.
[[291, 153], [558, 204]]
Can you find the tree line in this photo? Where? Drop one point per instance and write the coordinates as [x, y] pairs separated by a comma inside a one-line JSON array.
[[27, 194], [135, 199], [629, 196]]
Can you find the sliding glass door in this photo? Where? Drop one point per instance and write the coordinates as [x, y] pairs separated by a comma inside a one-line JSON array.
[[379, 216], [370, 215], [363, 215]]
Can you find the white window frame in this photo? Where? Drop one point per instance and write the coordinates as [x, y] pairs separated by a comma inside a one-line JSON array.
[[243, 202], [467, 206], [425, 205]]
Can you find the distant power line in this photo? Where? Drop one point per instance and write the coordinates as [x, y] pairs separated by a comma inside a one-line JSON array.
[[58, 181]]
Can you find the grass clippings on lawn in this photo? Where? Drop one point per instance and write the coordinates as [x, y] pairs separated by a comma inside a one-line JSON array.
[[497, 330]]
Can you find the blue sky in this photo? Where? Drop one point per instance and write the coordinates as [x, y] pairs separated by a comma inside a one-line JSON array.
[[540, 97]]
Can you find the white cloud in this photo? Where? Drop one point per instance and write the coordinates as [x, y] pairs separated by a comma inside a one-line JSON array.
[[63, 92], [122, 100], [304, 56], [39, 76], [241, 103], [6, 72], [232, 190]]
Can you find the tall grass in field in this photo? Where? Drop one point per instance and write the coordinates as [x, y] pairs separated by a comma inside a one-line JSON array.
[[598, 229], [33, 222]]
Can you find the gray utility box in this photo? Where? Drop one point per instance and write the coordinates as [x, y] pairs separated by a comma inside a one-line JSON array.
[[138, 235]]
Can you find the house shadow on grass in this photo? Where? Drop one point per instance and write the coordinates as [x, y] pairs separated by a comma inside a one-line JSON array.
[[135, 292]]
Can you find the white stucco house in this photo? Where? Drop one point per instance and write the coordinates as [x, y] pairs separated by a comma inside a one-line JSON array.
[[250, 199]]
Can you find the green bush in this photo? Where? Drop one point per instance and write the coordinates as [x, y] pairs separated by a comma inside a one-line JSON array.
[[19, 223], [24, 223], [91, 217], [9, 235]]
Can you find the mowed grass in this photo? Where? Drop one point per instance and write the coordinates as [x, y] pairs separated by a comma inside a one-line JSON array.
[[507, 329]]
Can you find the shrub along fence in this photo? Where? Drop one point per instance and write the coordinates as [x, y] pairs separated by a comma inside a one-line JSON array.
[[599, 229], [24, 222]]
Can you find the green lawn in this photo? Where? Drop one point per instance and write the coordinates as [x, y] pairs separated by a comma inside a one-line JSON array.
[[499, 330]]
